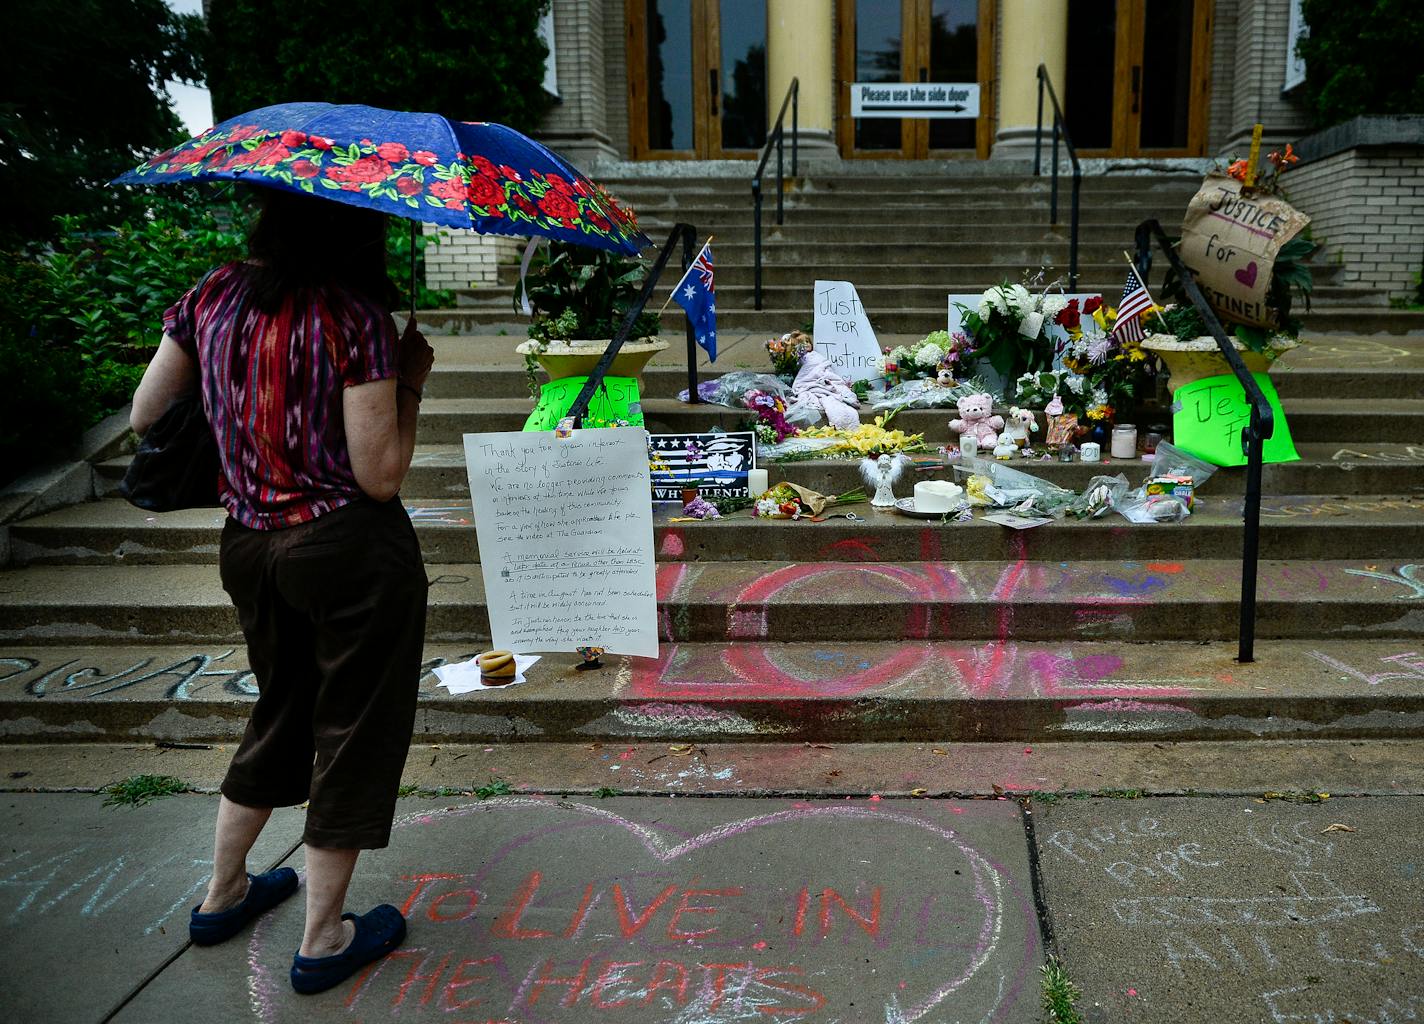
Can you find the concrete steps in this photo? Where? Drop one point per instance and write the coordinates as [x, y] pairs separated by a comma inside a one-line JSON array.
[[926, 691], [446, 420], [113, 532], [829, 601]]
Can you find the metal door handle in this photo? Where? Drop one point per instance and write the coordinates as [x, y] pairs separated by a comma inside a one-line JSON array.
[[715, 82], [1136, 85]]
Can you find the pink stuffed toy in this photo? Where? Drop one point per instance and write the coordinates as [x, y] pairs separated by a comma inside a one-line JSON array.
[[976, 421]]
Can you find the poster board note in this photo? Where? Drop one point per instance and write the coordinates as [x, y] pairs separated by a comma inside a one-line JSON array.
[[717, 462], [1208, 416], [843, 332], [1230, 240], [615, 402], [566, 539]]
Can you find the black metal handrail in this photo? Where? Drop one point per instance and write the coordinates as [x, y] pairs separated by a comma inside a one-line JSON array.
[[1259, 428], [793, 97], [1060, 129], [688, 234]]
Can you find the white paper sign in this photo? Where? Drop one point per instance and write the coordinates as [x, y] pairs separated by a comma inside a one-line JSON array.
[[843, 333], [566, 539], [914, 99]]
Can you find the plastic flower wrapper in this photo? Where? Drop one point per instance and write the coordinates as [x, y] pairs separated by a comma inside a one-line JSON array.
[[792, 501], [1011, 487], [928, 394], [1101, 496], [731, 388]]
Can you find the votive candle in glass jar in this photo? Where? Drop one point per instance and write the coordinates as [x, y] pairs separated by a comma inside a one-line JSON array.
[[1124, 441], [968, 445]]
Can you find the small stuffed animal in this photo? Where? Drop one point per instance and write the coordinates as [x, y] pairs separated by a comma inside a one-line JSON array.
[[1020, 425], [975, 419], [946, 378]]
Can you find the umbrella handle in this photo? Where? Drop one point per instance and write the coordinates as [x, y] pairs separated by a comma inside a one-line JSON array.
[[412, 270]]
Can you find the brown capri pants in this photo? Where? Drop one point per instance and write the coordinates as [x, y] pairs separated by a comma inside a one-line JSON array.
[[334, 615]]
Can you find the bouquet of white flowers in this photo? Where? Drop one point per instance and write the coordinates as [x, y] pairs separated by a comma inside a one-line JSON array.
[[1008, 328]]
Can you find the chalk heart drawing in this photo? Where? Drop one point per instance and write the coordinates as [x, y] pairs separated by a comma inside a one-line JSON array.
[[992, 896]]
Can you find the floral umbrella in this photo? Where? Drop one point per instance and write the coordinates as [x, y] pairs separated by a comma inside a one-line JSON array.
[[424, 167]]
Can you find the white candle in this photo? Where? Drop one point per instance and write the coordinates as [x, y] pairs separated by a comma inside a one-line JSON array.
[[1124, 441], [757, 481]]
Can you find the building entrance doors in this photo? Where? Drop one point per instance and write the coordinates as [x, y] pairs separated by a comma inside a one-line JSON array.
[[696, 78]]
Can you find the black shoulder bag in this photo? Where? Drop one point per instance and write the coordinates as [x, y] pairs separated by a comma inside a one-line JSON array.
[[176, 465]]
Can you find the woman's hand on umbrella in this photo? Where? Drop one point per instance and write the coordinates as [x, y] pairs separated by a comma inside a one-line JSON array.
[[415, 357]]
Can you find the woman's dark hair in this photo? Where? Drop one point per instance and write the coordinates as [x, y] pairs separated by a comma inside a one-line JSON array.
[[301, 242]]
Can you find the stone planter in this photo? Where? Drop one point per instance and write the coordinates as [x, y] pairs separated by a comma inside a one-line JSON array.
[[578, 357], [1189, 361]]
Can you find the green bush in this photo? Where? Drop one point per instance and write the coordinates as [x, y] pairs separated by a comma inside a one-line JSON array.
[[1362, 58]]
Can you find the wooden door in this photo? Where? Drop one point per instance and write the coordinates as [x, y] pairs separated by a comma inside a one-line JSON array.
[[915, 41], [1138, 80], [696, 78]]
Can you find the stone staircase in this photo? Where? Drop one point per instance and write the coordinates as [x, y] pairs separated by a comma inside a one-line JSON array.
[[907, 240], [113, 626]]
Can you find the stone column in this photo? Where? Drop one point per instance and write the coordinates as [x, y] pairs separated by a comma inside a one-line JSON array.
[[577, 126], [1031, 32], [800, 43]]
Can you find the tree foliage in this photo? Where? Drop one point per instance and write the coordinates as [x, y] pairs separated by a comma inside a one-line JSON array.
[[1362, 58], [83, 100], [472, 62]]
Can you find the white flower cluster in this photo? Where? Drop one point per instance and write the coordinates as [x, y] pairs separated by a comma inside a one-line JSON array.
[[1033, 312]]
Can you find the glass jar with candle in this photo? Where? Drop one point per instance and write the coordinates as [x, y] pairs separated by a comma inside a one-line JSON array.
[[1124, 441]]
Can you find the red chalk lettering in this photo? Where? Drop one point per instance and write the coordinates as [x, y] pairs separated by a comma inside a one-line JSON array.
[[631, 926], [611, 974], [768, 976], [803, 903], [375, 969], [685, 907], [717, 976], [870, 924], [660, 983], [414, 975], [422, 882], [506, 924], [458, 981], [577, 921], [574, 984], [470, 896]]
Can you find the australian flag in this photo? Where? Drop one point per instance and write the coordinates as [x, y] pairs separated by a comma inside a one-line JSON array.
[[696, 294]]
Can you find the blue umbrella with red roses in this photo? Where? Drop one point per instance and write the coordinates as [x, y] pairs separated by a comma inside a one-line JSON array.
[[424, 167]]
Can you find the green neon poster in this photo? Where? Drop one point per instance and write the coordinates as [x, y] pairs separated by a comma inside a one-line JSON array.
[[615, 403], [1209, 415]]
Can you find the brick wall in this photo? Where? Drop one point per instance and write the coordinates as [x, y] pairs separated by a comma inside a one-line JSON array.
[[467, 259], [1223, 74], [1262, 27], [1367, 208]]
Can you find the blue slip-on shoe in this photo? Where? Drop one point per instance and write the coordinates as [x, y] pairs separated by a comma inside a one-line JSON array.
[[264, 892], [377, 933]]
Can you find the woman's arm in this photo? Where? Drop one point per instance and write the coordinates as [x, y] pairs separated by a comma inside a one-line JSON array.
[[380, 420], [172, 374]]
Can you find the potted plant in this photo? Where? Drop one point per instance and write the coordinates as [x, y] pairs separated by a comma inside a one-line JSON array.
[[1177, 334], [580, 296]]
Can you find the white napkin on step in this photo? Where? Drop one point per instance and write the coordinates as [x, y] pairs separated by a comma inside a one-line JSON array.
[[465, 677]]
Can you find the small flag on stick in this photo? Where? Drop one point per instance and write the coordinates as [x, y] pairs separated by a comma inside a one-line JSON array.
[[697, 295], [1134, 302]]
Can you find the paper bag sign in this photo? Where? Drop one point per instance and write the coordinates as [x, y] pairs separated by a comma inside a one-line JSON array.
[[1230, 241]]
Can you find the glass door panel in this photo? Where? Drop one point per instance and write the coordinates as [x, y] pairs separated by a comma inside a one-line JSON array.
[[1089, 93], [1166, 75], [671, 122], [879, 57], [740, 75], [953, 57]]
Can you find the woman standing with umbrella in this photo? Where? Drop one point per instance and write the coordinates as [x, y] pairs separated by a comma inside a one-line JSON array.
[[313, 402]]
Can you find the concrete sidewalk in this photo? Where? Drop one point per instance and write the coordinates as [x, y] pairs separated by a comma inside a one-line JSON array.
[[668, 911]]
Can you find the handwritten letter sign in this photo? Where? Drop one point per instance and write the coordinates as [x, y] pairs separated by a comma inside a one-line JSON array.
[[1231, 240], [1209, 415], [566, 539], [843, 333]]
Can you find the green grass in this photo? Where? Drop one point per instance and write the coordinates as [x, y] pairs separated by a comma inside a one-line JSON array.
[[1059, 995], [495, 787], [137, 790], [603, 792], [409, 789]]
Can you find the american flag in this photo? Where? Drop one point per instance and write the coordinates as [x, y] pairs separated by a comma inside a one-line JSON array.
[[696, 294], [1130, 308]]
